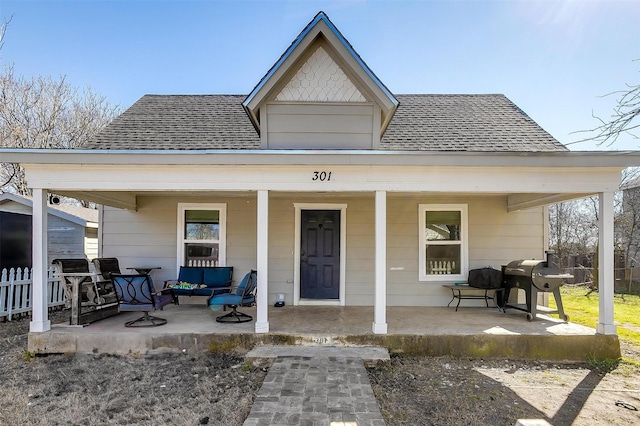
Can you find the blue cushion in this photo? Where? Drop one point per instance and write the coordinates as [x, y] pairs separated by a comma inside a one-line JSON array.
[[201, 292], [197, 291], [190, 274], [230, 299], [243, 284], [248, 282], [225, 299], [135, 293], [220, 276]]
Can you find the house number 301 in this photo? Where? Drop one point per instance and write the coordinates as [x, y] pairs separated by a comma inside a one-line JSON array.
[[321, 176]]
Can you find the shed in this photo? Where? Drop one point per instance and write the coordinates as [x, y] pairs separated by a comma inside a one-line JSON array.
[[72, 231]]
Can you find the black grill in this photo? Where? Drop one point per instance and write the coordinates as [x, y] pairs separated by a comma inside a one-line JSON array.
[[534, 276]]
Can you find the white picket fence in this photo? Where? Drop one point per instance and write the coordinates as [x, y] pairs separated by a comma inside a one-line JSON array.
[[16, 291]]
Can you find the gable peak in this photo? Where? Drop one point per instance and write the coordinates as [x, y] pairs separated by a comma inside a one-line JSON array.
[[320, 79], [351, 64]]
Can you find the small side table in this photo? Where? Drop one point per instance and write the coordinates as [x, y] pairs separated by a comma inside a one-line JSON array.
[[465, 291], [144, 270]]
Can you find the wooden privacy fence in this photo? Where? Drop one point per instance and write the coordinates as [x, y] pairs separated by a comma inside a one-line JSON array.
[[16, 291]]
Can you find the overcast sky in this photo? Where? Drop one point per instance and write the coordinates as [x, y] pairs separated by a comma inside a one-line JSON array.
[[553, 58]]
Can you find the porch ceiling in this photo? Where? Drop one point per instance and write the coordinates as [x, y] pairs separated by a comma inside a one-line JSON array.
[[129, 200], [516, 202], [121, 200]]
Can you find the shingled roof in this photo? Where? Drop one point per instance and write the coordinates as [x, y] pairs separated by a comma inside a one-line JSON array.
[[490, 123]]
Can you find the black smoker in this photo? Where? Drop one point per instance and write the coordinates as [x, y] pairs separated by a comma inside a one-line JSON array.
[[534, 276]]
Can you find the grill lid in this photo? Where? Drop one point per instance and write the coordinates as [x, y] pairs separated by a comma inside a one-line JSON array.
[[543, 277], [521, 267]]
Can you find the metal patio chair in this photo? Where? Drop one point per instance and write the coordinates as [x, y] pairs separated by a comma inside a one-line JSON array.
[[136, 293], [244, 295]]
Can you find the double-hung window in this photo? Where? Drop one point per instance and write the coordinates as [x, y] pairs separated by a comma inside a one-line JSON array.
[[202, 234], [443, 248]]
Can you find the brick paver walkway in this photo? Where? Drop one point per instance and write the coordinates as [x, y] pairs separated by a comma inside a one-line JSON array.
[[308, 390]]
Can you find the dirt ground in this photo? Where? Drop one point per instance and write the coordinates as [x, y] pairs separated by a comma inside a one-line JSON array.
[[218, 389], [450, 391]]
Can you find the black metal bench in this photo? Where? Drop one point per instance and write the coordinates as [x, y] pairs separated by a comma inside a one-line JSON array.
[[466, 292], [201, 281]]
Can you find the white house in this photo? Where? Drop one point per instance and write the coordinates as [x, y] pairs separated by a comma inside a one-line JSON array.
[[336, 190]]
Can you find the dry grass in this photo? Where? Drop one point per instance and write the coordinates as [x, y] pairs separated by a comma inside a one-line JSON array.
[[218, 389], [167, 389], [124, 390], [457, 391]]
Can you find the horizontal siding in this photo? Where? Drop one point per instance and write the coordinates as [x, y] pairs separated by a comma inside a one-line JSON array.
[[91, 247], [325, 140], [324, 126], [495, 238], [360, 277], [241, 234], [65, 239], [148, 237], [306, 123]]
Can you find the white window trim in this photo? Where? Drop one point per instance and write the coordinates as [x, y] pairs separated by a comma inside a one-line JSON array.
[[182, 208], [464, 246]]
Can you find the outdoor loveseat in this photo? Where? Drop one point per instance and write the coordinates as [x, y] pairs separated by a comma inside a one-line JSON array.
[[201, 281]]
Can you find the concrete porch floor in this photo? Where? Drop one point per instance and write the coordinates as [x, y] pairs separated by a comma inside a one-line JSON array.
[[431, 331]]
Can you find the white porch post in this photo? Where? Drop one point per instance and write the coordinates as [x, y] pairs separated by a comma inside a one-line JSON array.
[[605, 265], [380, 296], [39, 314], [262, 320]]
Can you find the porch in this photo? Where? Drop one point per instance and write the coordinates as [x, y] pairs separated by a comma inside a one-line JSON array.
[[383, 200], [430, 331]]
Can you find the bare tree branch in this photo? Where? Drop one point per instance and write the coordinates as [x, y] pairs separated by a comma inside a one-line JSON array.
[[573, 227], [628, 224], [3, 30], [42, 112], [624, 120], [629, 176], [7, 173]]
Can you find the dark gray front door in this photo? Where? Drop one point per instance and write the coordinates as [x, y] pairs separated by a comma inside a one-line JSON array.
[[320, 254]]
